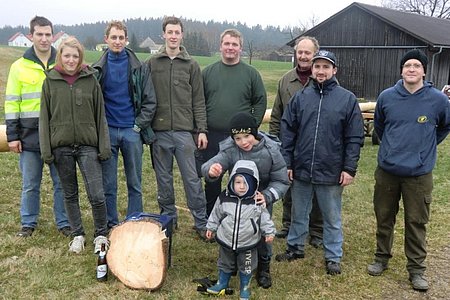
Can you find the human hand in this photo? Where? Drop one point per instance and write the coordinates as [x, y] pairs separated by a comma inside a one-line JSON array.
[[15, 146], [215, 170], [345, 179], [290, 173], [202, 141], [260, 199], [209, 234], [269, 239]]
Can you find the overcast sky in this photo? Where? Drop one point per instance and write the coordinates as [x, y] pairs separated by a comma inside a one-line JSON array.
[[277, 13]]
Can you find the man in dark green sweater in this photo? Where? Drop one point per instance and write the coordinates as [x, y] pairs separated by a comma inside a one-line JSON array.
[[231, 86]]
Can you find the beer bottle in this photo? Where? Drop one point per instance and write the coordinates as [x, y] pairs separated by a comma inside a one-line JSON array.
[[102, 266]]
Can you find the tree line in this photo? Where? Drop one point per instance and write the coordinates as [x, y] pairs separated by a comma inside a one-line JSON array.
[[200, 38]]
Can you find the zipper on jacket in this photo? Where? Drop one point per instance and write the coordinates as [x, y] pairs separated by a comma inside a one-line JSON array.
[[74, 100], [236, 225], [170, 97], [316, 131]]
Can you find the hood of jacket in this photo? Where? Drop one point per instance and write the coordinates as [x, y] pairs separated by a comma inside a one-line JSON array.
[[403, 92], [248, 169]]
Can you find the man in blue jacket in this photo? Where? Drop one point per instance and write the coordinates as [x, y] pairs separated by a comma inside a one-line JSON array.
[[322, 132], [411, 118], [130, 104]]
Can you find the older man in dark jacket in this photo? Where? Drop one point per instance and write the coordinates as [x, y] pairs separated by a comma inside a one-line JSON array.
[[322, 132]]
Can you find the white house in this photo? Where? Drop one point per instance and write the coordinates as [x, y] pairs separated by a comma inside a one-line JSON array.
[[19, 40], [57, 38], [151, 45]]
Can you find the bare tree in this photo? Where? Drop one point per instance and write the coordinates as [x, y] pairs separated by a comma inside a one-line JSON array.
[[251, 50], [302, 27], [431, 8], [310, 23]]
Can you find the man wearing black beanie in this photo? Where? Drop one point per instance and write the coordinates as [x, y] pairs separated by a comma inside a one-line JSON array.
[[411, 119], [415, 54]]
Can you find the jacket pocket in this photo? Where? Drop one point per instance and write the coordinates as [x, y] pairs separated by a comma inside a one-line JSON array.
[[255, 228]]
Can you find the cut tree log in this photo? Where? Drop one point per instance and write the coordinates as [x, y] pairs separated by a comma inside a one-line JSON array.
[[138, 254]]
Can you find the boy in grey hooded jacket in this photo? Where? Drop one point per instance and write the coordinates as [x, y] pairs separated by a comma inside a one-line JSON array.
[[238, 221]]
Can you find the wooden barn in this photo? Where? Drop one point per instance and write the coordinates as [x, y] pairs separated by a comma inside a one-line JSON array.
[[369, 42]]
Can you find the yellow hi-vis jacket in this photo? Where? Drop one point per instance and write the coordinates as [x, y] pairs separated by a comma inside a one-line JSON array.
[[23, 99]]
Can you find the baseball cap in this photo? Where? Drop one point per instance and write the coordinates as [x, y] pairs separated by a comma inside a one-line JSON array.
[[327, 55]]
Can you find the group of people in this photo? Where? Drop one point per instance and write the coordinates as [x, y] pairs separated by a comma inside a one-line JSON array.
[[62, 112]]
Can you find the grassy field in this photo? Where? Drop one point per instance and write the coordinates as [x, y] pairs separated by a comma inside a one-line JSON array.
[[41, 267]]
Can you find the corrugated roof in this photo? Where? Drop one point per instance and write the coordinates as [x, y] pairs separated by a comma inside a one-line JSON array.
[[433, 31]]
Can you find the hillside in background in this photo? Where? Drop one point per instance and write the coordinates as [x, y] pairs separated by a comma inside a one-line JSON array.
[[201, 35]]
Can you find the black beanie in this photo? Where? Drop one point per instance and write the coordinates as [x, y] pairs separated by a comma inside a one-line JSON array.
[[415, 54], [243, 123]]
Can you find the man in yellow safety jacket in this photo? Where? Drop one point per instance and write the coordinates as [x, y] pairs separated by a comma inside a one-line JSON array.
[[22, 105]]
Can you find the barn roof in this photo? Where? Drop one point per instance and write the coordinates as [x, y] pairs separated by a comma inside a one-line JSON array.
[[433, 31]]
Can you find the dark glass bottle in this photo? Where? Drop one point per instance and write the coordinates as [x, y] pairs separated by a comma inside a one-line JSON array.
[[102, 266]]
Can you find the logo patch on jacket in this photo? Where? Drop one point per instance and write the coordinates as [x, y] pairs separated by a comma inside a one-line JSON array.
[[422, 119]]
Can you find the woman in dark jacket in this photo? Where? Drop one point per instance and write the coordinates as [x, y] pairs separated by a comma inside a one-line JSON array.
[[73, 130]]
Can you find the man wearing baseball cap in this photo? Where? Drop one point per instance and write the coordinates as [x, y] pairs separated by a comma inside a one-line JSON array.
[[322, 132], [411, 119]]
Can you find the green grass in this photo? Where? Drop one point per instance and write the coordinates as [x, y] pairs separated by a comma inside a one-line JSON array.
[[40, 267]]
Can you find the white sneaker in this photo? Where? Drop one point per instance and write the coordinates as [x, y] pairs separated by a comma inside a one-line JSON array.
[[77, 244], [98, 241]]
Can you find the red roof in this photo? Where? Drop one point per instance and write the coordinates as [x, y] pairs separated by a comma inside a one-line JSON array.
[[17, 35], [57, 36], [28, 36]]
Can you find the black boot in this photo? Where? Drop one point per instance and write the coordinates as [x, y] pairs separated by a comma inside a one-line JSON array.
[[263, 275]]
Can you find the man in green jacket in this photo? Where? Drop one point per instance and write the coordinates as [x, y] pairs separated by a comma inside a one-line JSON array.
[[180, 113]]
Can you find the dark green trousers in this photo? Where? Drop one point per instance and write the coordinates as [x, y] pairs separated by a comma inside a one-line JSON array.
[[416, 195]]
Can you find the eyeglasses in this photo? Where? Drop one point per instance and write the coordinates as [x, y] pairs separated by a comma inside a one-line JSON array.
[[414, 66]]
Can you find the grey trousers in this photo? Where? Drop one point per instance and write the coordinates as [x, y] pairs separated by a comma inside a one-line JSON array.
[[178, 144], [230, 261]]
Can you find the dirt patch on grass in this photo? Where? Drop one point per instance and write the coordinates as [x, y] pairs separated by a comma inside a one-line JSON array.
[[438, 276]]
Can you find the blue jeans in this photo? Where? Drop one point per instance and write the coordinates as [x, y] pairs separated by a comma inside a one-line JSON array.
[[31, 166], [66, 160], [129, 143], [329, 198], [181, 145]]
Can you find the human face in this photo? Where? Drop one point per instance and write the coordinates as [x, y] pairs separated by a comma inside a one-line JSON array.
[[240, 185], [116, 40], [173, 36], [413, 72], [304, 54], [231, 49], [70, 59], [42, 39], [322, 70], [245, 141]]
